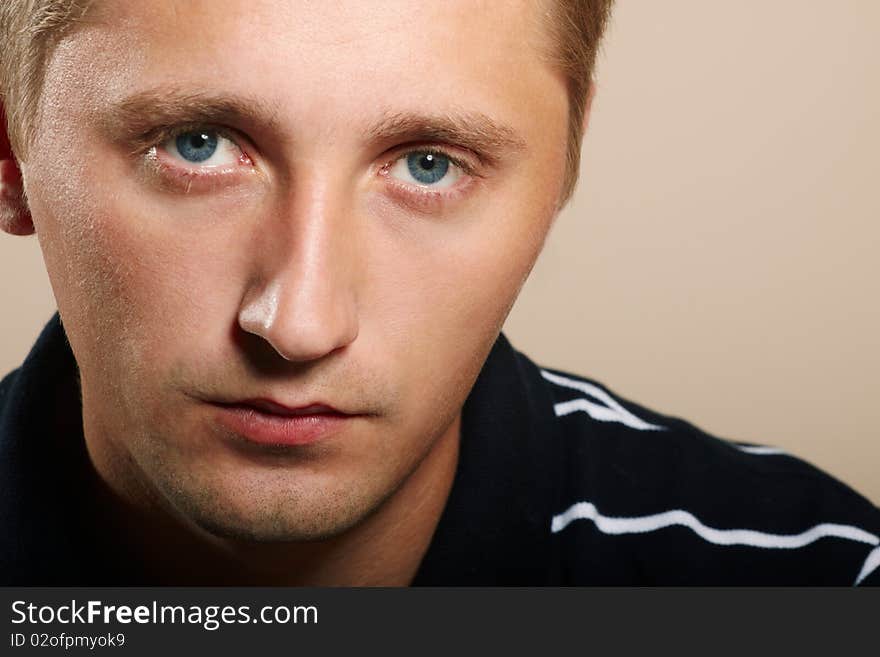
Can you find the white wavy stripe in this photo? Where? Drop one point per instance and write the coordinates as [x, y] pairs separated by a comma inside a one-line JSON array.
[[760, 449], [642, 524], [870, 566], [594, 410], [611, 412]]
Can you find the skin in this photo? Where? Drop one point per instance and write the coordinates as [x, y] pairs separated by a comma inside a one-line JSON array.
[[306, 270]]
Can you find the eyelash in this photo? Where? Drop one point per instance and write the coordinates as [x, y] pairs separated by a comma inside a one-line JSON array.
[[423, 197], [416, 196], [179, 177]]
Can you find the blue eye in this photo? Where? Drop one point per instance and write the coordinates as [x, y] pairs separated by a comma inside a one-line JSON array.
[[427, 168], [196, 146]]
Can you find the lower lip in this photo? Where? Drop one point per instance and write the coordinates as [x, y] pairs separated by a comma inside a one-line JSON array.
[[280, 430]]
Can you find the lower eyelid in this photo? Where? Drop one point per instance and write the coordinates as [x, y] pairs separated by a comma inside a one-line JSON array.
[[239, 157], [426, 199], [459, 173], [179, 177]]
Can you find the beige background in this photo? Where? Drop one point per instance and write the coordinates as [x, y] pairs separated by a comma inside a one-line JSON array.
[[719, 260]]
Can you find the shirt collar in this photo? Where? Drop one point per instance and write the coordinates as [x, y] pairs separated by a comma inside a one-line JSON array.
[[495, 528], [44, 465]]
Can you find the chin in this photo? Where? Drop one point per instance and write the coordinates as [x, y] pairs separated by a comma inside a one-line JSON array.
[[265, 518], [266, 531]]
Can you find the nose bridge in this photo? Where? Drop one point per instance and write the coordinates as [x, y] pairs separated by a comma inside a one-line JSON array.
[[304, 302]]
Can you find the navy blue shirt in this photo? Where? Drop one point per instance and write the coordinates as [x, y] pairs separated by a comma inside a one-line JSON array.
[[559, 482]]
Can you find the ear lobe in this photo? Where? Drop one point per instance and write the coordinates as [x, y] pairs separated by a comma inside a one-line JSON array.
[[15, 218]]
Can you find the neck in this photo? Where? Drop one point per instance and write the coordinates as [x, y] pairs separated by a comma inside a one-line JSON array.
[[384, 549]]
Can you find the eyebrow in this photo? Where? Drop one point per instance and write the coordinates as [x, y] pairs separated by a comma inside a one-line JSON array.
[[477, 132], [140, 118]]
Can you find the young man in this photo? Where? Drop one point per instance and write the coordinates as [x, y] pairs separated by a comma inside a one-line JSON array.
[[283, 238]]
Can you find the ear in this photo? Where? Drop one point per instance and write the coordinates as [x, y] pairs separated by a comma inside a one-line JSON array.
[[15, 218]]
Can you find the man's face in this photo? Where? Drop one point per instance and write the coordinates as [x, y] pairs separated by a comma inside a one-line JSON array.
[[297, 201]]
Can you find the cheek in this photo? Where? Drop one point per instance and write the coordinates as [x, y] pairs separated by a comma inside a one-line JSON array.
[[133, 282], [438, 297], [174, 287], [82, 273], [449, 280]]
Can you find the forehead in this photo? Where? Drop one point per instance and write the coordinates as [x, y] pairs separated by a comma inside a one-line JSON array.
[[322, 58]]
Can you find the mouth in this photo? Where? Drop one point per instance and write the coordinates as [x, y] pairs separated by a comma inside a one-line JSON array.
[[272, 407], [270, 423]]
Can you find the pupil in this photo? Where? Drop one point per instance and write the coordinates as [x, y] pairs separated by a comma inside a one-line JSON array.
[[196, 146], [427, 168]]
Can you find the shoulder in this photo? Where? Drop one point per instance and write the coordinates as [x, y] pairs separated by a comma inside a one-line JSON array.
[[10, 479], [7, 383], [647, 498]]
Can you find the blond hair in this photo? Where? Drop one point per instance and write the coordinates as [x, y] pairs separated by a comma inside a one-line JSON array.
[[29, 29]]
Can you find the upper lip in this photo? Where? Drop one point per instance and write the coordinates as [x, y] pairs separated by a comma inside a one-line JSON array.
[[277, 408]]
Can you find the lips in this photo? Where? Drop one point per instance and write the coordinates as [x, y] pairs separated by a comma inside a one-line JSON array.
[[267, 422], [275, 408]]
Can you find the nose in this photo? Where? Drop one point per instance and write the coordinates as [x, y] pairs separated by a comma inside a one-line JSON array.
[[303, 301]]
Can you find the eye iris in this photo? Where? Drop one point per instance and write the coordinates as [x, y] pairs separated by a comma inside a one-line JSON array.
[[196, 146], [427, 168]]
